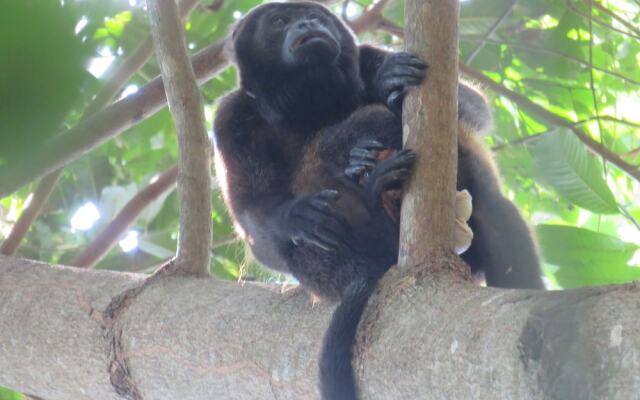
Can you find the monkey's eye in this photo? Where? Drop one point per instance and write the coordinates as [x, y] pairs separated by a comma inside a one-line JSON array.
[[315, 17], [278, 21]]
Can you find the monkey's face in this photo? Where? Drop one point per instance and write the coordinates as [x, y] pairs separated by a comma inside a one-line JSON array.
[[308, 38], [290, 36]]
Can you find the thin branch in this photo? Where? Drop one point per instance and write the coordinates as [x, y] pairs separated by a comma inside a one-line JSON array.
[[115, 80], [224, 241], [519, 141], [394, 29], [391, 27], [632, 153], [615, 16], [592, 86], [555, 119], [612, 119], [29, 214], [109, 236], [598, 21], [576, 60], [490, 32], [194, 170], [370, 19]]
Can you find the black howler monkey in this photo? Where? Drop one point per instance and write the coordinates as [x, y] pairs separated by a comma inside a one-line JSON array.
[[293, 142]]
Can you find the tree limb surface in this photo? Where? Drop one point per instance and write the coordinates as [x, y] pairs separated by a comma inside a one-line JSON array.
[[67, 333], [185, 103]]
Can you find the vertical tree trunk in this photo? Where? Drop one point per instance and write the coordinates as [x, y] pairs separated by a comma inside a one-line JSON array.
[[430, 128], [185, 103]]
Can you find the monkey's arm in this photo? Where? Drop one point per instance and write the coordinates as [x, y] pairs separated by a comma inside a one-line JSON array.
[[255, 177], [387, 76]]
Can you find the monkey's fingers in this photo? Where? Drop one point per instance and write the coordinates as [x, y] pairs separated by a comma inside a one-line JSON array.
[[307, 238], [403, 71], [369, 144], [321, 213], [392, 172], [363, 153], [410, 59], [391, 180], [400, 82], [405, 158], [394, 101], [328, 194], [355, 172], [321, 232]]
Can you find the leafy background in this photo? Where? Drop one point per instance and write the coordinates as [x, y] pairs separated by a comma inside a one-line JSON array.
[[578, 59]]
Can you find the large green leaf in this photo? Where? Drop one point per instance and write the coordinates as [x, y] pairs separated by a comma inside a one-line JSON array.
[[41, 76], [563, 162], [586, 258]]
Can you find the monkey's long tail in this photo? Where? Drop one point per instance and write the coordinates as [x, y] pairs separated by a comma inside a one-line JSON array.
[[336, 373]]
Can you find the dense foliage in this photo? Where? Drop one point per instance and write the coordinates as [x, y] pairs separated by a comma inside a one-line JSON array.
[[578, 59]]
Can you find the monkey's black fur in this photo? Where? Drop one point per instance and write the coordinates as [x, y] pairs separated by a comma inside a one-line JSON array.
[[311, 111]]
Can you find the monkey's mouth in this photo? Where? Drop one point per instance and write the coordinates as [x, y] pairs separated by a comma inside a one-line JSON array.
[[307, 38]]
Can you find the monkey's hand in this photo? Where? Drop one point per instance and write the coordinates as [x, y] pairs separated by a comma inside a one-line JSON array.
[[398, 72], [462, 236], [388, 174], [313, 220], [363, 158]]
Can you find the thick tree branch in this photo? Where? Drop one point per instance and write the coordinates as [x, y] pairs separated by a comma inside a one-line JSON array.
[[72, 144], [115, 80], [185, 103], [109, 236], [192, 339]]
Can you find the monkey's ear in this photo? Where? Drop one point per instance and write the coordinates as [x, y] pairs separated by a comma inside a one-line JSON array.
[[230, 45], [230, 49], [237, 27]]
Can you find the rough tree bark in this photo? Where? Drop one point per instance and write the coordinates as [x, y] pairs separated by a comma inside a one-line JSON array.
[[430, 128], [66, 333]]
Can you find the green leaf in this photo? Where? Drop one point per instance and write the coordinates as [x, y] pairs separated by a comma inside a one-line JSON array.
[[563, 162], [42, 73], [6, 394], [586, 258]]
